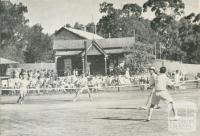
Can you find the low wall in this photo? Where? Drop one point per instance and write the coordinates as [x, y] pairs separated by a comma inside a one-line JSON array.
[[177, 65], [37, 66]]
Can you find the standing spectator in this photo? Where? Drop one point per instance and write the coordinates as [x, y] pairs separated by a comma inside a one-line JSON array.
[[177, 80], [127, 73], [38, 84]]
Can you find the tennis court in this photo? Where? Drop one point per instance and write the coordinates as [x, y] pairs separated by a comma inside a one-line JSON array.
[[110, 114]]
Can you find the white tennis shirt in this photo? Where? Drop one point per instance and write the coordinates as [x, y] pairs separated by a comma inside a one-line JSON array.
[[161, 82]]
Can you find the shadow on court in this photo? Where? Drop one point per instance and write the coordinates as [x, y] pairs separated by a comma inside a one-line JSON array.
[[7, 103], [44, 101], [120, 108], [122, 119]]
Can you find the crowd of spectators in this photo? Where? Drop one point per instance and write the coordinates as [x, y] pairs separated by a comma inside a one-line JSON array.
[[47, 80]]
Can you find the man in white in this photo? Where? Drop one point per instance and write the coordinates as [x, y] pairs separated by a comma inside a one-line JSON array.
[[152, 79], [161, 83], [23, 84], [83, 83]]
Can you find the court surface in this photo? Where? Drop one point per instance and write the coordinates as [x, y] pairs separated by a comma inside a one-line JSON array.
[[110, 114]]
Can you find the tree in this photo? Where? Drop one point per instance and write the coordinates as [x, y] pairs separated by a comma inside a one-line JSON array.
[[109, 24], [90, 27], [165, 13], [78, 26], [132, 9], [189, 35], [12, 20], [68, 25], [167, 7], [139, 58], [166, 26], [39, 45], [125, 22], [107, 8], [18, 41], [12, 23]]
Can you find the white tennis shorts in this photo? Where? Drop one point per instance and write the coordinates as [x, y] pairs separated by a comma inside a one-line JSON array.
[[161, 95]]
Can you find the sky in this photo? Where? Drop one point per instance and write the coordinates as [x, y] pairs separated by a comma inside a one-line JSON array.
[[53, 14]]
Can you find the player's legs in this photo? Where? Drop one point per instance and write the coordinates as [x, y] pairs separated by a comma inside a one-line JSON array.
[[78, 92], [20, 97], [150, 112], [89, 93], [174, 109], [168, 99], [154, 101], [149, 100], [23, 95], [76, 96]]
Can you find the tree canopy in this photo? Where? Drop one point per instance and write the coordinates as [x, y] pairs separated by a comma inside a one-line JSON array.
[[125, 22], [179, 36], [19, 41]]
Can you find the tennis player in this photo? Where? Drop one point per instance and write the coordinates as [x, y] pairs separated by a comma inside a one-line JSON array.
[[161, 93], [83, 83], [23, 85], [152, 79]]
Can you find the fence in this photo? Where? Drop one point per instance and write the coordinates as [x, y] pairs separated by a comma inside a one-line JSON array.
[[190, 84]]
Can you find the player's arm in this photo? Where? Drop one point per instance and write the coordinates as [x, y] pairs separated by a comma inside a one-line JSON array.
[[170, 83]]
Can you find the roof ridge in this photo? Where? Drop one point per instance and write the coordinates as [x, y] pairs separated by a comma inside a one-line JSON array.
[[83, 32]]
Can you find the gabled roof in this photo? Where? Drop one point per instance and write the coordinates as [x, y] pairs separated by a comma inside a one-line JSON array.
[[104, 43], [98, 48], [7, 61], [83, 34]]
